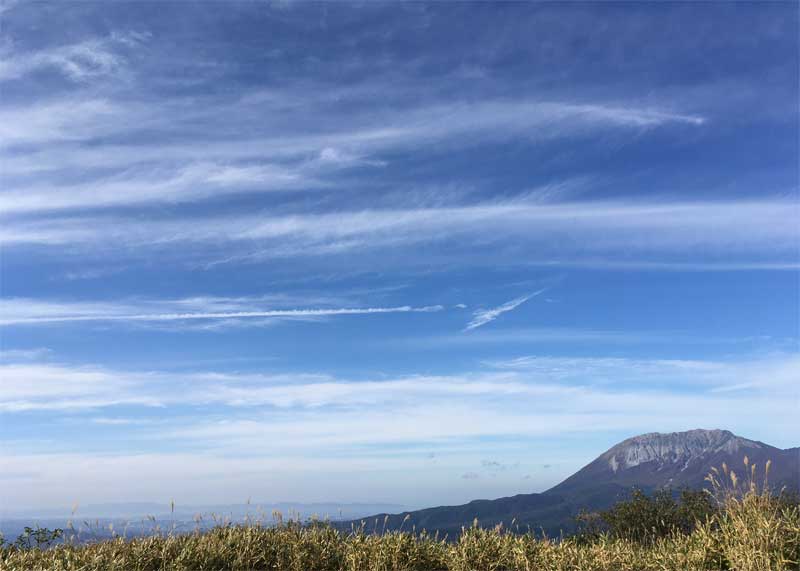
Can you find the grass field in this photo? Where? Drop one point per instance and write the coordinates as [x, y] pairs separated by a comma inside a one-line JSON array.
[[749, 536], [753, 532]]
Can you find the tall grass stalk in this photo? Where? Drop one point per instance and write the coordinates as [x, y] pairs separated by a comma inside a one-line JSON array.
[[755, 530]]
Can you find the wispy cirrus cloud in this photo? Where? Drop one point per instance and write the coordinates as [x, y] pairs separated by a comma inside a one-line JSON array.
[[37, 386], [357, 136], [561, 231], [193, 182], [484, 316], [313, 409], [777, 371], [66, 119], [81, 61], [23, 311], [163, 162]]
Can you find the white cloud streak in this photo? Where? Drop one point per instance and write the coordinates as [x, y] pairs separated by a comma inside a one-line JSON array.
[[575, 384], [740, 227], [61, 120], [193, 182], [484, 316], [429, 123], [80, 62], [22, 311], [172, 166]]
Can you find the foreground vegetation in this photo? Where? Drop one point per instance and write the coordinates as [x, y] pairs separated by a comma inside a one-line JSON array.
[[748, 530]]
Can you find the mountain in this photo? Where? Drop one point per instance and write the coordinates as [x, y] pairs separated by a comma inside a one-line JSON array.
[[649, 462], [680, 459]]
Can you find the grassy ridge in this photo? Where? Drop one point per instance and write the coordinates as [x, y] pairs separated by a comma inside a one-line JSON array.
[[752, 532]]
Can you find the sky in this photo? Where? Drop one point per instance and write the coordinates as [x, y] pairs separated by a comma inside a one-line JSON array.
[[382, 252]]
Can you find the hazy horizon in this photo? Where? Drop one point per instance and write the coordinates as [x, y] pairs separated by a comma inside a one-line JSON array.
[[415, 254]]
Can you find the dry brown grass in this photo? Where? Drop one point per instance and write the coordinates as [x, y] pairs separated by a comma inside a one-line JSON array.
[[753, 532]]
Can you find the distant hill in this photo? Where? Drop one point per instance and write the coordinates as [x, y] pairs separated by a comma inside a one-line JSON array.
[[181, 518], [164, 512], [649, 462]]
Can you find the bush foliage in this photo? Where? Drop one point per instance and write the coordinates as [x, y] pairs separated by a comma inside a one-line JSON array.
[[644, 518]]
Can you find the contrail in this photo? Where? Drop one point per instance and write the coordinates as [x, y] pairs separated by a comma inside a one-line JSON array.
[[485, 316], [222, 315]]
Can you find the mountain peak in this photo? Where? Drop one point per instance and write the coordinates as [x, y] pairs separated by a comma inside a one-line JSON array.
[[674, 448], [677, 459]]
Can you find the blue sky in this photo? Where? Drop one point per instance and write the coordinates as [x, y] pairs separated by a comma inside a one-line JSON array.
[[417, 253]]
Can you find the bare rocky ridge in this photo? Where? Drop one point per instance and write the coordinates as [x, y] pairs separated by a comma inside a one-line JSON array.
[[681, 448]]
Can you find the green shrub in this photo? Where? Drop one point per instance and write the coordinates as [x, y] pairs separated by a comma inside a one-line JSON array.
[[645, 519]]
